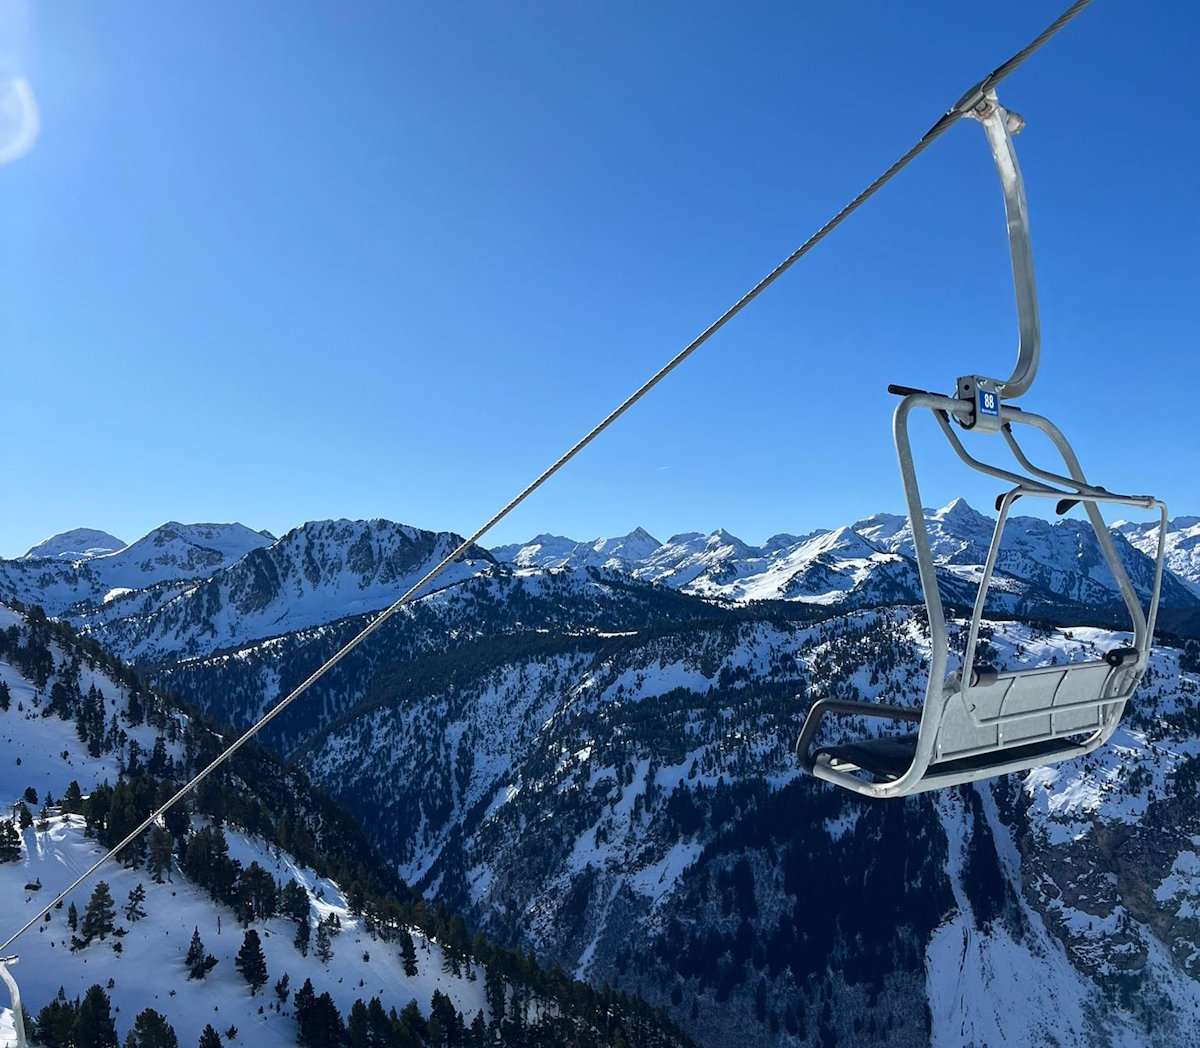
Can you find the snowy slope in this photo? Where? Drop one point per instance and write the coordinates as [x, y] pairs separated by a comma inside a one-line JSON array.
[[77, 544], [323, 571], [1182, 546], [573, 801], [623, 553], [150, 971], [44, 752], [170, 553], [871, 561]]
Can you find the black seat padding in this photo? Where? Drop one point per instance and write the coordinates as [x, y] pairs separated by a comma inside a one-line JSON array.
[[886, 758], [889, 757]]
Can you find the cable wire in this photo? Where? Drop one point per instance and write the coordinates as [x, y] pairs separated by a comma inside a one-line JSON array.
[[961, 108]]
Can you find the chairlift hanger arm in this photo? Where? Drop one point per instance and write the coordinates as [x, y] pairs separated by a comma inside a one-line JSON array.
[[1000, 125], [15, 993]]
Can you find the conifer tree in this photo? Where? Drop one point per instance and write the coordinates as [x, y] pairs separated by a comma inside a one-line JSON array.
[[198, 960], [94, 1026], [134, 911], [10, 841], [151, 1030], [73, 917], [251, 962], [324, 947], [158, 858], [408, 952], [5, 698], [72, 802], [56, 1022], [303, 934], [209, 1038], [98, 917]]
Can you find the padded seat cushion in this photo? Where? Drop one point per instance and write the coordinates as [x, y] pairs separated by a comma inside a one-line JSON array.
[[886, 758]]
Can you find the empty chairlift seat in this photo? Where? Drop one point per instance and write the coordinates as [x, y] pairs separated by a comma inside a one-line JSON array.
[[975, 722]]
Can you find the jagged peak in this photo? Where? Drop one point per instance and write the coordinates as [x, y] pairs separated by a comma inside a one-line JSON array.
[[956, 510]]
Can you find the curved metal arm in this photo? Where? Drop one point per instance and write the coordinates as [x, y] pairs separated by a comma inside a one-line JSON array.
[[845, 707], [11, 983], [999, 124]]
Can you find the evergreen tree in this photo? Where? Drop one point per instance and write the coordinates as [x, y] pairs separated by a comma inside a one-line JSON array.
[[151, 1030], [303, 934], [209, 1038], [134, 911], [304, 999], [158, 858], [408, 952], [321, 1026], [24, 816], [98, 917], [94, 1026], [293, 901], [5, 699], [324, 947], [73, 917], [10, 841], [72, 802], [251, 962], [55, 1025], [198, 960]]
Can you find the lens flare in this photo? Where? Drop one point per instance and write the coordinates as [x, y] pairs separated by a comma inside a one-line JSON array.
[[18, 118]]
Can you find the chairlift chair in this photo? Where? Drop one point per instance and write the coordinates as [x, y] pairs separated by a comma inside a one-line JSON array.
[[977, 723]]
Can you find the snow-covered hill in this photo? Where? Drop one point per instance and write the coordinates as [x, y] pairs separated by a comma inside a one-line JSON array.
[[72, 721], [871, 561], [313, 575], [630, 807], [150, 969], [1183, 546], [77, 544], [624, 553], [190, 591], [172, 553]]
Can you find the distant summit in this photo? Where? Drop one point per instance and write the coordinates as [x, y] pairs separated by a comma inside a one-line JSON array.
[[77, 544]]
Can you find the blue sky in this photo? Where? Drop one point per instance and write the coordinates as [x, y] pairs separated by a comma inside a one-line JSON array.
[[274, 262]]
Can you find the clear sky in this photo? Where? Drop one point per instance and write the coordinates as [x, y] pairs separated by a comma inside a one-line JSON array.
[[273, 262]]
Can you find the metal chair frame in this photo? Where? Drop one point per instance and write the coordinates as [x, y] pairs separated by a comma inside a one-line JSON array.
[[978, 723]]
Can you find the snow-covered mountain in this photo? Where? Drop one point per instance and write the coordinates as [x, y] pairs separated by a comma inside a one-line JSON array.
[[553, 551], [592, 759], [315, 574], [1182, 545], [871, 561], [171, 553], [189, 591], [629, 806], [244, 861], [77, 544]]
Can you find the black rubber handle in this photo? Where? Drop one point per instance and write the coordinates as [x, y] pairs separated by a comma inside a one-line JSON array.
[[906, 391], [1120, 656]]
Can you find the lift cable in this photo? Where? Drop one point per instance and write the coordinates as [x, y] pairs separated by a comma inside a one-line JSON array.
[[962, 107]]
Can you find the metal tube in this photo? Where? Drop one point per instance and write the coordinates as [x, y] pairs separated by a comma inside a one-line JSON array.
[[996, 123], [15, 993], [1141, 639]]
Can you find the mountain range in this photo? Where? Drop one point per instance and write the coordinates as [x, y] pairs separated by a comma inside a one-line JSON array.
[[184, 591], [585, 748]]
